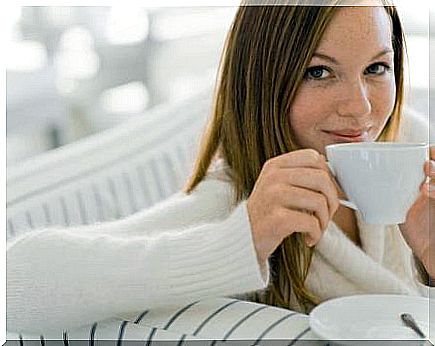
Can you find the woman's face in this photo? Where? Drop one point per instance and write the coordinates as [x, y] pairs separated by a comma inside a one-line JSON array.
[[349, 89]]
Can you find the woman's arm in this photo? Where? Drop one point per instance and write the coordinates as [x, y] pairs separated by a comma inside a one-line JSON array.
[[64, 278]]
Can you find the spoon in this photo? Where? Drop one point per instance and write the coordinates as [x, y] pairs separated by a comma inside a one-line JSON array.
[[409, 321]]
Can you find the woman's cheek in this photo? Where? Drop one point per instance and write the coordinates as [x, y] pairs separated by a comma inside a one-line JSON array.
[[313, 110], [382, 100], [384, 97]]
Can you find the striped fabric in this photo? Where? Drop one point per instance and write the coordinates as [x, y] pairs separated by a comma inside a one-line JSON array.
[[213, 322], [109, 175]]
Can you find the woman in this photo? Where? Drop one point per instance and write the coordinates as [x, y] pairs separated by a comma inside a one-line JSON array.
[[322, 75], [261, 198]]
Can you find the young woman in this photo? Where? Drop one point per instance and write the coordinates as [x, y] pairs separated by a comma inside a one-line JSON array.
[[293, 80], [260, 214]]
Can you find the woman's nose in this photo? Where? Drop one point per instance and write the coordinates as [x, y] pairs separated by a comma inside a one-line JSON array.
[[354, 100]]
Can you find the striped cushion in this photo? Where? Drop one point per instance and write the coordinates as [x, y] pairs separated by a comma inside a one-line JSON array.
[[215, 320]]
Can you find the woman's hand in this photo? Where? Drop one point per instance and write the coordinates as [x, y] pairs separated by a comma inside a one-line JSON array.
[[419, 227], [293, 193]]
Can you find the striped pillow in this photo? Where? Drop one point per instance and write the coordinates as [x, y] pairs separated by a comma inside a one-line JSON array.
[[215, 320]]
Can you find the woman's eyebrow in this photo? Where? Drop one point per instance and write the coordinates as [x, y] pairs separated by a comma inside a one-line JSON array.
[[325, 57], [383, 52], [334, 61]]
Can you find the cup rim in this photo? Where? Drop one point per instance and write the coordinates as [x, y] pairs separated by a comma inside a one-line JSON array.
[[377, 145]]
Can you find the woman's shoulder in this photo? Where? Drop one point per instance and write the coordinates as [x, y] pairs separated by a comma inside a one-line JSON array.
[[219, 170], [217, 182], [414, 126]]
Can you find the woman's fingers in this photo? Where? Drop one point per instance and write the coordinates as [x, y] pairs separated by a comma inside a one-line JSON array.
[[429, 169], [316, 180], [301, 222], [428, 189], [304, 200], [307, 168], [294, 192], [299, 158]]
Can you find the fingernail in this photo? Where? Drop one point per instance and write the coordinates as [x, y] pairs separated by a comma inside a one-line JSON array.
[[432, 165], [427, 186]]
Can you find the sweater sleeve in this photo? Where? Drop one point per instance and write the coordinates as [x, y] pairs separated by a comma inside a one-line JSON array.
[[59, 279]]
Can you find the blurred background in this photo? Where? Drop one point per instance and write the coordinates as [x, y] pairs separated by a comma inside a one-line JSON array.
[[76, 71]]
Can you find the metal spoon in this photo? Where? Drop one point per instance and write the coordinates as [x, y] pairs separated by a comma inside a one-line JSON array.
[[409, 321]]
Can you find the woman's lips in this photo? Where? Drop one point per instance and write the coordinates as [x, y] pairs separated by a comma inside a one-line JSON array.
[[348, 136]]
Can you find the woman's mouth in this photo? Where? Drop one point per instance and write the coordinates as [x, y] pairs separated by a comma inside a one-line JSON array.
[[348, 135]]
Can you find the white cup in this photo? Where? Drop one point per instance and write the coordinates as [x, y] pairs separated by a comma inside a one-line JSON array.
[[380, 179]]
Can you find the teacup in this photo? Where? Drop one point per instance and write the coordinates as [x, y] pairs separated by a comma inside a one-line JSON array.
[[380, 179]]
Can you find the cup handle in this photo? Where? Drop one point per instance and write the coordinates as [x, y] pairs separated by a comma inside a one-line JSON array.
[[342, 201]]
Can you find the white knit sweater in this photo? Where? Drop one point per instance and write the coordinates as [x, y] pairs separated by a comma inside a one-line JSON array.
[[186, 248]]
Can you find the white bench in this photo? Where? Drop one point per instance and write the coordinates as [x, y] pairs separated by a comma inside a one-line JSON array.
[[109, 175]]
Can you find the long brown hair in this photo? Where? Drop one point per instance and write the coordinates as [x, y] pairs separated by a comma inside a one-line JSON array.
[[266, 53]]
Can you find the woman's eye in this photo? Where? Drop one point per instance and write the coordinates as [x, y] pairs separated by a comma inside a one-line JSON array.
[[377, 69], [317, 72]]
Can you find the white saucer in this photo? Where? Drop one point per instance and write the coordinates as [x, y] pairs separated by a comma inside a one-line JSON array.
[[372, 317]]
